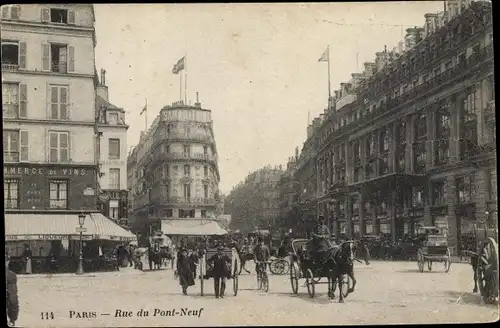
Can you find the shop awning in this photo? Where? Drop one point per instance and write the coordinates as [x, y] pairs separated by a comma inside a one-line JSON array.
[[45, 226], [29, 226], [108, 230], [192, 227]]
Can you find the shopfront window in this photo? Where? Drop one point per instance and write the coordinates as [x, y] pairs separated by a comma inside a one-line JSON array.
[[465, 189], [439, 193], [58, 194], [11, 193]]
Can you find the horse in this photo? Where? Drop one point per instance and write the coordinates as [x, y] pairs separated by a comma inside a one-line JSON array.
[[340, 261], [244, 257]]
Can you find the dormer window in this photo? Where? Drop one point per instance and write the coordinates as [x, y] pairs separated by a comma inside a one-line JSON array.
[[113, 118]]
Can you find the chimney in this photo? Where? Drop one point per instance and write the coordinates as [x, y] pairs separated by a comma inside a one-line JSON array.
[[102, 89], [296, 152], [401, 47]]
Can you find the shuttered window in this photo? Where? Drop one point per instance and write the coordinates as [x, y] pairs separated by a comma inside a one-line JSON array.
[[58, 147], [114, 179], [59, 102], [114, 148]]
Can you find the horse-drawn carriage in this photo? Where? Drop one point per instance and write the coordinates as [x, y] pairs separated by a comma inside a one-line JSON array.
[[433, 247], [485, 261], [302, 266]]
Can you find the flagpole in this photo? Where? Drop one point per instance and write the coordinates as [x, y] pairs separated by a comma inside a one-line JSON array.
[[180, 86], [185, 78], [146, 116], [329, 88]]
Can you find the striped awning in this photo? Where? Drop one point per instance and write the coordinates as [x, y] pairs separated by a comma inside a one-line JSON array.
[[106, 229], [45, 226], [192, 227], [29, 226]]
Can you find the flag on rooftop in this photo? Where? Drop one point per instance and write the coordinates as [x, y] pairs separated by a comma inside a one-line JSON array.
[[179, 66]]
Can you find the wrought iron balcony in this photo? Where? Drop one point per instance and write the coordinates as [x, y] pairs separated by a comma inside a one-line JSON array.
[[9, 67]]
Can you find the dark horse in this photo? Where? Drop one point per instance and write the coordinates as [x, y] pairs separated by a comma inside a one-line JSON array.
[[339, 262], [244, 256]]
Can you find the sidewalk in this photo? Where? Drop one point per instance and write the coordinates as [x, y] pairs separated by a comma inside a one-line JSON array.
[[123, 271]]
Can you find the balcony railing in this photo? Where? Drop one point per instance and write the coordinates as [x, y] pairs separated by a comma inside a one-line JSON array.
[[179, 155], [9, 67], [189, 136], [195, 201], [60, 67]]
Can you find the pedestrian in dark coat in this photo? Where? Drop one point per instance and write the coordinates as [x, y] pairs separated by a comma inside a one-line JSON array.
[[221, 271], [12, 301], [184, 270], [27, 255]]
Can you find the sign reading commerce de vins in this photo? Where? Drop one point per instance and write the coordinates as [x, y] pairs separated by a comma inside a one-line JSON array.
[[56, 171]]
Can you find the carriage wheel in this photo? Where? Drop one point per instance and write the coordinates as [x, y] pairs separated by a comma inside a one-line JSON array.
[[447, 261], [310, 283], [429, 265], [278, 267], [420, 260], [294, 278], [487, 271], [235, 285]]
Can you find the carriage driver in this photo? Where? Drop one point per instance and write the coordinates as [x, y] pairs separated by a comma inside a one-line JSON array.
[[320, 238]]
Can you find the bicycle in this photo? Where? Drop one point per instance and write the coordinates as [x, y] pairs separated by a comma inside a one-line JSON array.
[[262, 278]]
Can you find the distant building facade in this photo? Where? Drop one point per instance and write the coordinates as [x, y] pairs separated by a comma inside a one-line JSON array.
[[112, 145], [176, 169], [254, 203], [411, 140]]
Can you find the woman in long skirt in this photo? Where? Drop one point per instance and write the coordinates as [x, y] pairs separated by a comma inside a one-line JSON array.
[[27, 255], [184, 270]]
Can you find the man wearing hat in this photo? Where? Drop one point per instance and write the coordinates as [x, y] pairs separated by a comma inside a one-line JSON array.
[[262, 254], [221, 270], [320, 237], [12, 301]]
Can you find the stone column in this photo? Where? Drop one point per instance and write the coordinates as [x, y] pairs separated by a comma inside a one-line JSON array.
[[482, 195], [410, 137], [485, 95], [392, 147], [428, 204], [376, 151], [348, 162], [392, 213], [336, 221], [348, 215], [362, 160], [451, 200], [456, 105], [362, 225], [429, 142]]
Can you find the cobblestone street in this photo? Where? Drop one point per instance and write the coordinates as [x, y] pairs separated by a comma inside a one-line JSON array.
[[386, 293]]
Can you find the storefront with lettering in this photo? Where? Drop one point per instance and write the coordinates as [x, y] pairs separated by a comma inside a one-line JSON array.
[[114, 204], [46, 187]]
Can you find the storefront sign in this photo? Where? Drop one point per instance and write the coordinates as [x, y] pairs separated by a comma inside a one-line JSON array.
[[45, 237], [43, 171]]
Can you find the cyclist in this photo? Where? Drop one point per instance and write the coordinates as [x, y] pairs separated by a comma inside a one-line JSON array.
[[262, 254]]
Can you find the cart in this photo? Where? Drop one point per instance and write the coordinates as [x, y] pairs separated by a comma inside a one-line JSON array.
[[205, 269], [433, 247], [485, 260], [302, 267]]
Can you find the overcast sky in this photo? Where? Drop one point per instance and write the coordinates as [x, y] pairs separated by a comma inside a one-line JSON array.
[[254, 65]]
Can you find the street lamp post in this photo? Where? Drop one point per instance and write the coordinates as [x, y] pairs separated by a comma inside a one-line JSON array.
[[81, 230]]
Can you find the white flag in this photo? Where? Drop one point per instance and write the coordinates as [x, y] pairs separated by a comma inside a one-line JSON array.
[[325, 56]]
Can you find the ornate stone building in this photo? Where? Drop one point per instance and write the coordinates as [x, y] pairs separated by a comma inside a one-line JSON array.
[[254, 203], [176, 169], [411, 140]]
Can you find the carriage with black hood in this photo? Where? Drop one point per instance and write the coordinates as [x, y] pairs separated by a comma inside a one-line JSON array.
[[337, 269]]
